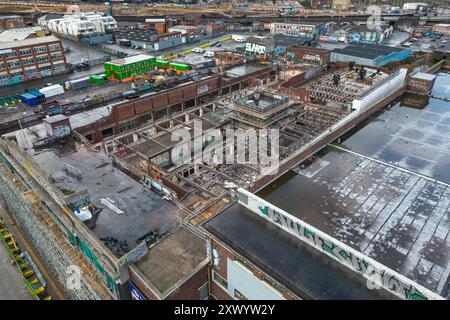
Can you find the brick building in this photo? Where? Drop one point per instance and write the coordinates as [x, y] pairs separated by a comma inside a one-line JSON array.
[[31, 58]]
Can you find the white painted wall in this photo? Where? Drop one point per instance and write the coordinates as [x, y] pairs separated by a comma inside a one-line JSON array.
[[381, 92], [245, 282]]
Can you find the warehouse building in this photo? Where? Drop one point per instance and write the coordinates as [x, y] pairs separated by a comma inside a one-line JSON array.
[[370, 55], [149, 39]]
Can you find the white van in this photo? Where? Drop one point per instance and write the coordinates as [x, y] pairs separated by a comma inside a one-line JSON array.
[[209, 54], [198, 50]]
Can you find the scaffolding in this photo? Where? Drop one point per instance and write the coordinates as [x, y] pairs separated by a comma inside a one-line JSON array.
[[25, 200]]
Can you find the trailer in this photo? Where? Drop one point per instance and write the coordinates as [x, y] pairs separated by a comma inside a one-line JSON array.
[[52, 91], [79, 83]]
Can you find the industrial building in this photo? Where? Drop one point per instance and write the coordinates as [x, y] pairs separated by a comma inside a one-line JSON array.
[[30, 58], [111, 191], [370, 55], [150, 40]]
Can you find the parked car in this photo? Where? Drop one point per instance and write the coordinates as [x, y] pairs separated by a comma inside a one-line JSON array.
[[198, 50], [208, 54]]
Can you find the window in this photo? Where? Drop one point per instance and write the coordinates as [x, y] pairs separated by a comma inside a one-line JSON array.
[[30, 71], [220, 281], [40, 49], [16, 74], [28, 61], [127, 125], [11, 54], [42, 58], [13, 64], [239, 296], [54, 47], [56, 56], [25, 52], [146, 118], [107, 132], [89, 137]]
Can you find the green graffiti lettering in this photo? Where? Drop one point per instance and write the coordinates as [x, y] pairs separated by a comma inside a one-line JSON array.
[[328, 247], [278, 217], [413, 294], [264, 210]]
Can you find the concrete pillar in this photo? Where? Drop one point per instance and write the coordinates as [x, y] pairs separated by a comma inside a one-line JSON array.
[[170, 123], [186, 117], [200, 111], [135, 137]]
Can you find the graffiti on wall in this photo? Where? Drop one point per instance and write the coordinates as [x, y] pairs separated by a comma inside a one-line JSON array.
[[377, 274]]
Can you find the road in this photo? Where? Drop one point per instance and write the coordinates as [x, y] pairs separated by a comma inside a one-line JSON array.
[[396, 39], [39, 83], [11, 284], [53, 288]]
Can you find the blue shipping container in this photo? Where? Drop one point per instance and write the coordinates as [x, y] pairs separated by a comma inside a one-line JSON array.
[[29, 99]]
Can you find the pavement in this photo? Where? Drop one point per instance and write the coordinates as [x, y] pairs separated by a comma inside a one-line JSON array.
[[11, 284]]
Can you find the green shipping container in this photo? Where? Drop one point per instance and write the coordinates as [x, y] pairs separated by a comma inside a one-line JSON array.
[[179, 66], [95, 79], [162, 63]]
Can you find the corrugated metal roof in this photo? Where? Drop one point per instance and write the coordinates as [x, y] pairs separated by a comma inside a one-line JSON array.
[[367, 51], [18, 33], [27, 42]]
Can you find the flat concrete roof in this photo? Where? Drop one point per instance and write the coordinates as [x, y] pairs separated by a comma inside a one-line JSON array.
[[173, 259], [144, 211], [302, 269], [424, 76], [398, 218]]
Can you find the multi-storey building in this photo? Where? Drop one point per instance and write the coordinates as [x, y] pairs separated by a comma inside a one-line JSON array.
[[31, 58], [79, 26]]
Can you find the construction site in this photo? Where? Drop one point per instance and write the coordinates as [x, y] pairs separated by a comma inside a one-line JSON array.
[[124, 191]]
